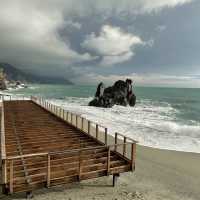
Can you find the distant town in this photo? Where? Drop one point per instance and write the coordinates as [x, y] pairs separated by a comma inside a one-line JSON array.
[[6, 83]]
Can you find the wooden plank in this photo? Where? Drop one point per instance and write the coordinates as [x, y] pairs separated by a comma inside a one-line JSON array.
[[20, 150]]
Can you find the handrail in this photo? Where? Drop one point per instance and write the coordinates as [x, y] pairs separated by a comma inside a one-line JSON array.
[[134, 141], [63, 152], [26, 156]]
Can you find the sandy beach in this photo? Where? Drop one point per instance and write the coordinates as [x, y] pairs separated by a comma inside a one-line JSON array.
[[159, 175]]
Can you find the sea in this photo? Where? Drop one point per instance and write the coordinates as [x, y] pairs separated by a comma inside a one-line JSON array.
[[164, 118]]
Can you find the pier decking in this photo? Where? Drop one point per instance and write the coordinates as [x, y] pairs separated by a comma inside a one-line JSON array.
[[43, 145]]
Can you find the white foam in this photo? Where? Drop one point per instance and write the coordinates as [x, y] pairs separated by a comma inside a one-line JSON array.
[[153, 124]]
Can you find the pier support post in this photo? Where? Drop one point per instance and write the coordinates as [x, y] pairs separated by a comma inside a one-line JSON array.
[[29, 195], [115, 178], [5, 189]]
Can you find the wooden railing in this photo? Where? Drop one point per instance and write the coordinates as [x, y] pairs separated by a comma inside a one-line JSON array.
[[9, 97], [86, 126]]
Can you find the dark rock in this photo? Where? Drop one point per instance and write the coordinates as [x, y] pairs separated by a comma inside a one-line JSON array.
[[118, 94]]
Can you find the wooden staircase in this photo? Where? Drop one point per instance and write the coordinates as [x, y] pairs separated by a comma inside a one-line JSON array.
[[44, 150]]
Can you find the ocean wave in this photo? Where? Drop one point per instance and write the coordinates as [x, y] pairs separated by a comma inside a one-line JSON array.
[[152, 123]]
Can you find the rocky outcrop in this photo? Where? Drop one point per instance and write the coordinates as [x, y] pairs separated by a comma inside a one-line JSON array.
[[118, 94], [2, 80]]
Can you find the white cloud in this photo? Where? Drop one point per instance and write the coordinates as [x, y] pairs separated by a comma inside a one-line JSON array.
[[29, 36], [120, 8], [155, 5], [113, 44], [72, 24]]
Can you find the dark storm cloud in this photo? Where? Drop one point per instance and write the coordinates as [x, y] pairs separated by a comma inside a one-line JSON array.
[[73, 38]]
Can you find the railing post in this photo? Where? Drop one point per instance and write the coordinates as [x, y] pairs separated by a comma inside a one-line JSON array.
[[97, 131], [67, 117], [82, 123], [57, 110], [11, 177], [71, 118], [63, 114], [60, 112], [76, 121], [133, 154], [108, 162], [88, 127], [115, 141], [124, 147], [48, 170], [80, 166], [106, 136], [4, 171]]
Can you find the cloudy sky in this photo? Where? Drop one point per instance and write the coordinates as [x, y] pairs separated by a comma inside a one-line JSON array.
[[154, 42]]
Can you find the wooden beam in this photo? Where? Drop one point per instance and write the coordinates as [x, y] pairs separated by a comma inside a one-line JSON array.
[[133, 155], [71, 118], [3, 147], [82, 123], [124, 147], [48, 170], [88, 127], [4, 172], [115, 141], [80, 166], [97, 131], [76, 121], [106, 136], [11, 177], [108, 162]]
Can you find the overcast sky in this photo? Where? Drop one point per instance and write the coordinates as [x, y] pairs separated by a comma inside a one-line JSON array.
[[154, 42]]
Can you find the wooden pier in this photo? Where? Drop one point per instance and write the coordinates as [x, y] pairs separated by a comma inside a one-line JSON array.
[[43, 145]]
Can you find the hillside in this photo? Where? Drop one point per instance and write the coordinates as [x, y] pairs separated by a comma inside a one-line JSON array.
[[14, 74]]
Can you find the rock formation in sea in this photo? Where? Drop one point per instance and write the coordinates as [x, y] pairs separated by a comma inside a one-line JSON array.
[[119, 94]]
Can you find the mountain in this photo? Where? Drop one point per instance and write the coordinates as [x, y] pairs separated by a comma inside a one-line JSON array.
[[14, 74]]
